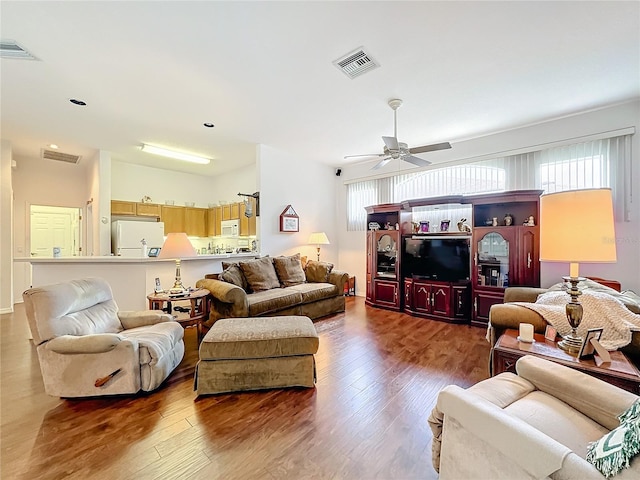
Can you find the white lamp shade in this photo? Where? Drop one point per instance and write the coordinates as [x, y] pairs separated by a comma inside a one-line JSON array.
[[177, 246], [577, 226], [318, 238]]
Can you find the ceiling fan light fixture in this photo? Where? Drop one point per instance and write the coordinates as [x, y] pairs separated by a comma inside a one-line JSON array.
[[186, 157]]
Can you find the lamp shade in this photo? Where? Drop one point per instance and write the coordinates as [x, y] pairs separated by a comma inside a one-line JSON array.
[[318, 238], [577, 226], [177, 246]]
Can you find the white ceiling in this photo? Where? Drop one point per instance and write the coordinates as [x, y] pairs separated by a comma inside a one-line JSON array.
[[262, 73]]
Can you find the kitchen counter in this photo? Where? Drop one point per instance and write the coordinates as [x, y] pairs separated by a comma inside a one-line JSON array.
[[131, 278]]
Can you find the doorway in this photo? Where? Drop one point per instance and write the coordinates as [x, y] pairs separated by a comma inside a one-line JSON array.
[[55, 227]]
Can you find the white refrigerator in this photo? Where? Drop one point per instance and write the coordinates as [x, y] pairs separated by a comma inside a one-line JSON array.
[[127, 236]]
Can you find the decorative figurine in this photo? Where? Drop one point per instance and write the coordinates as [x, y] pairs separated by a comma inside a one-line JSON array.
[[463, 227], [530, 222], [508, 220], [494, 222]]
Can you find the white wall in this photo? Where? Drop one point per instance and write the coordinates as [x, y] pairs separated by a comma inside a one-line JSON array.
[[41, 182], [352, 244], [6, 228], [132, 182], [310, 190]]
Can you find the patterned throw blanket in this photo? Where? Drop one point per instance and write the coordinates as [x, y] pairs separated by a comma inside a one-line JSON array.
[[600, 311]]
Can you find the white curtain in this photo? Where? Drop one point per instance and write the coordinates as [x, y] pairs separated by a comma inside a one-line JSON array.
[[595, 164]]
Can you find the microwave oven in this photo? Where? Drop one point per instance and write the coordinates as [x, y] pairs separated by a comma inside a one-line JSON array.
[[230, 228]]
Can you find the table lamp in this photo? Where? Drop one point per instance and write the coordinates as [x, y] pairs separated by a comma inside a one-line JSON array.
[[576, 226], [177, 246], [317, 239]]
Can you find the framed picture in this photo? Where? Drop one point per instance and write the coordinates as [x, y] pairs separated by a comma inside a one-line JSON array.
[[587, 348], [289, 220], [550, 333], [154, 251], [158, 288]]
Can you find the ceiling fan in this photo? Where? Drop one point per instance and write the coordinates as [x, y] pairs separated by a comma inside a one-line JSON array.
[[394, 149]]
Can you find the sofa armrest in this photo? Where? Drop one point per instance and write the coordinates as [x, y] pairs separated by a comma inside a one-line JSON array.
[[140, 318], [522, 294], [96, 343], [598, 400], [533, 451], [338, 278], [227, 300]]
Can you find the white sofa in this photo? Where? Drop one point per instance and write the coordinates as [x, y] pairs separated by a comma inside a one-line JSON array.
[[533, 425], [82, 340]]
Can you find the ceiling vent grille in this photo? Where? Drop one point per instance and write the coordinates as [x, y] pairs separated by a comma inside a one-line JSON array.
[[60, 157], [10, 49], [356, 63]]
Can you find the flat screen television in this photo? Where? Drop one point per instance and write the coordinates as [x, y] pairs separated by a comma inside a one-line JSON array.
[[436, 258]]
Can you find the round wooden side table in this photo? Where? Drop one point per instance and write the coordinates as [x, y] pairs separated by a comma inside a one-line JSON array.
[[198, 310]]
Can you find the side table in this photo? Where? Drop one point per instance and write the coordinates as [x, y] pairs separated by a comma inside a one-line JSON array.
[[197, 312], [620, 372]]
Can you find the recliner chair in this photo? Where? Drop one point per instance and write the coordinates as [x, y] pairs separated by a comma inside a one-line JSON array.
[[86, 347]]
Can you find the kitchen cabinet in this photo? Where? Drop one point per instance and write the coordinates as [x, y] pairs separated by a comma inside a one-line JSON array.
[[247, 225], [214, 217], [173, 218], [235, 211], [226, 212], [148, 210], [120, 207], [195, 222]]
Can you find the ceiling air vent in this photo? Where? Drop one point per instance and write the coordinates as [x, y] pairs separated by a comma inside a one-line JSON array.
[[60, 157], [10, 49], [356, 63]]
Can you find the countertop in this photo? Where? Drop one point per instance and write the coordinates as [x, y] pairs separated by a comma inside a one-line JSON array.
[[116, 259]]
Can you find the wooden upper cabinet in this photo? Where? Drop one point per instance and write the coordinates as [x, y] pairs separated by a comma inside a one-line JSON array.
[[120, 207], [211, 222], [148, 210], [226, 212], [244, 222], [235, 211], [195, 222], [248, 225], [173, 218]]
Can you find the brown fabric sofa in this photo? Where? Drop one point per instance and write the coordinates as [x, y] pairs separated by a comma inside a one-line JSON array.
[[504, 316], [313, 291]]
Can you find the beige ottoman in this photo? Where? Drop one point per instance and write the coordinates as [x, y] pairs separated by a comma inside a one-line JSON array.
[[255, 353]]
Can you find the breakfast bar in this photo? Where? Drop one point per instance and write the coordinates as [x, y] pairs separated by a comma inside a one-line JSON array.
[[131, 279]]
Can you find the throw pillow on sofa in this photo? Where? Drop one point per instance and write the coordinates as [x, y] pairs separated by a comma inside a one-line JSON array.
[[233, 274], [318, 272], [289, 270], [260, 274]]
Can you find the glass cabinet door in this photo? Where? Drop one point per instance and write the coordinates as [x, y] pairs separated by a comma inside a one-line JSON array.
[[493, 260], [386, 255]]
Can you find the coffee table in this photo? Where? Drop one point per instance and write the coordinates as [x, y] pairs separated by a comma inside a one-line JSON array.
[[620, 372]]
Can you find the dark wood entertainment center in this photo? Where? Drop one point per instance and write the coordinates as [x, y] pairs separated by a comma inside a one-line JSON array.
[[503, 251]]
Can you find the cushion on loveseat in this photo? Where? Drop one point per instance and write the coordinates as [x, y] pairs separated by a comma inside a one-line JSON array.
[[260, 274], [289, 270], [312, 292], [318, 272], [272, 300]]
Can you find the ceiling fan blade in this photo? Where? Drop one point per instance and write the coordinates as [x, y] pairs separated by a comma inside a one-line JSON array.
[[391, 143], [382, 163], [366, 155], [415, 160], [430, 148]]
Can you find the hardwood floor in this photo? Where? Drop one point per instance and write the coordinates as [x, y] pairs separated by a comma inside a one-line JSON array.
[[379, 373]]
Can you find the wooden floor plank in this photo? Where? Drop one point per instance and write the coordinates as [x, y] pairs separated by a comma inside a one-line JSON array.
[[379, 373]]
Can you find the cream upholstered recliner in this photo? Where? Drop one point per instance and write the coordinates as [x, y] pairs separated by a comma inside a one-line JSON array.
[[533, 425], [82, 340]]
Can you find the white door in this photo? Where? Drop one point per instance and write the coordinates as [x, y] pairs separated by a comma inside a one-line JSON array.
[[55, 227]]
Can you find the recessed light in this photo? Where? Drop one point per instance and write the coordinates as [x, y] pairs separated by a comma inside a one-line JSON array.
[[53, 145], [209, 125], [77, 102]]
